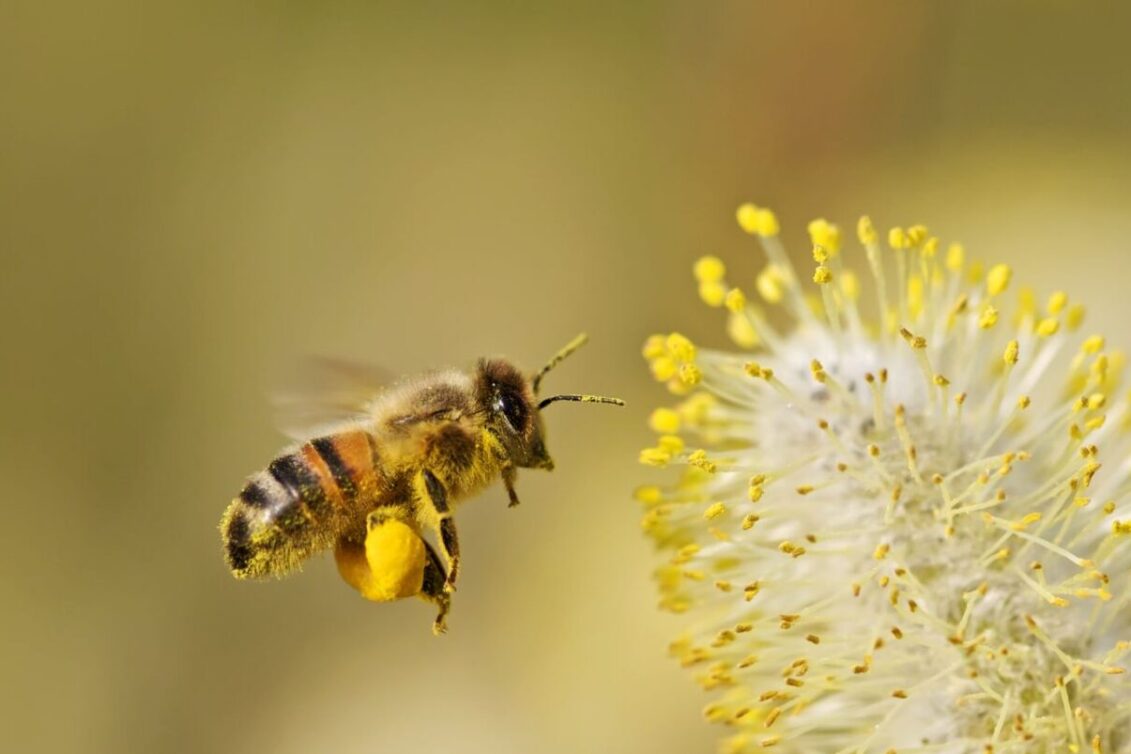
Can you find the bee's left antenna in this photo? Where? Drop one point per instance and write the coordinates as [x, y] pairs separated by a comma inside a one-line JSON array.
[[557, 358]]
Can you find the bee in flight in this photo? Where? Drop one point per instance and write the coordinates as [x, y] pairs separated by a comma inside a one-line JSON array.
[[372, 487]]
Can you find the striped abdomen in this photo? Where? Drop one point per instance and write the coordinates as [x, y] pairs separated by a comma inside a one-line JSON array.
[[300, 504]]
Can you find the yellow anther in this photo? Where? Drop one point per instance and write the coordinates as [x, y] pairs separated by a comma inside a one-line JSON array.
[[709, 269], [689, 374], [931, 247], [825, 235], [997, 280], [673, 444], [1048, 326], [1024, 402], [1075, 316], [941, 381], [755, 492], [917, 234], [881, 551], [955, 257], [663, 368], [748, 521], [755, 220], [1096, 400], [664, 420], [805, 489], [654, 347], [1121, 527], [822, 275], [681, 347], [1093, 344], [1012, 352], [898, 239], [655, 457], [915, 341], [714, 511], [1057, 302], [698, 459], [820, 254], [988, 318], [747, 216], [736, 300], [818, 371], [1026, 521], [648, 493], [712, 293], [865, 231]]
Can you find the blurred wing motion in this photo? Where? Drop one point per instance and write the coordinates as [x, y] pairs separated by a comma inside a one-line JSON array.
[[325, 391]]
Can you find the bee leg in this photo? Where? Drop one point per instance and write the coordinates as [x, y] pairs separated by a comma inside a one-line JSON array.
[[509, 475], [449, 540], [432, 590]]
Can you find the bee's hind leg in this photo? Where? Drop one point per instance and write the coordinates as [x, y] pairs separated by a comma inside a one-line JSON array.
[[432, 590], [449, 540]]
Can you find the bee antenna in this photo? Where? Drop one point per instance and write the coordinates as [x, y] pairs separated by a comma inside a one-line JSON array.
[[558, 358], [580, 399]]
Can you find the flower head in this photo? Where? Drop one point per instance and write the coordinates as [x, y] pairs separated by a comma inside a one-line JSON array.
[[901, 532]]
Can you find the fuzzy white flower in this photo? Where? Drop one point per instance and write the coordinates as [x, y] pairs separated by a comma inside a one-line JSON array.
[[903, 535]]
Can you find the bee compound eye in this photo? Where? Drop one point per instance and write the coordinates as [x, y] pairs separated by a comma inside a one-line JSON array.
[[512, 409]]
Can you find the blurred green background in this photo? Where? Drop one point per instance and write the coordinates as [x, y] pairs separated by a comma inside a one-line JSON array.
[[193, 196]]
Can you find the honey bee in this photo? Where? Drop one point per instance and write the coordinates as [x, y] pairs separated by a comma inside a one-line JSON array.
[[371, 488]]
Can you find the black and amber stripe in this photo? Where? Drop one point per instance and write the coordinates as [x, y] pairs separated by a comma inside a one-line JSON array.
[[300, 503]]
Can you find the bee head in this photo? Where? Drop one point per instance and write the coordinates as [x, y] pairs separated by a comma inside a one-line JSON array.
[[515, 413], [506, 394]]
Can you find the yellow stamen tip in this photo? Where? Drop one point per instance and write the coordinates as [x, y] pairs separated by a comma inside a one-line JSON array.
[[822, 275], [898, 239], [736, 300], [955, 257], [709, 269], [1012, 352], [997, 279], [681, 347], [825, 235], [865, 231], [664, 421]]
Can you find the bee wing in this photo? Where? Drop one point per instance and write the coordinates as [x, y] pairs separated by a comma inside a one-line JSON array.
[[324, 391]]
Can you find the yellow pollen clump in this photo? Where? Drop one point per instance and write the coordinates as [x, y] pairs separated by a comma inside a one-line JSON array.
[[673, 444], [1057, 302], [822, 275], [664, 368], [988, 318]]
